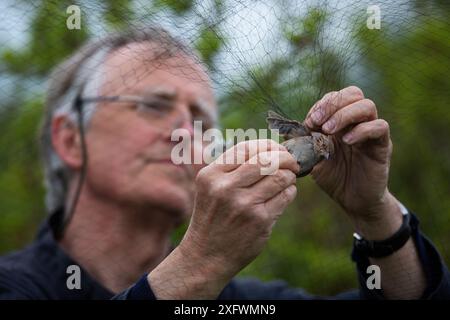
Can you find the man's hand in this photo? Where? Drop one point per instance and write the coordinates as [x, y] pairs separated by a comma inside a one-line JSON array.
[[357, 176], [357, 179], [234, 212]]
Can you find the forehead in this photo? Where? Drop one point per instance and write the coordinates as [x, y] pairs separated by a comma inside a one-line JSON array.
[[139, 67]]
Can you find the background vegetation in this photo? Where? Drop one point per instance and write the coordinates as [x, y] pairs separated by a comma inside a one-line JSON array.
[[404, 68]]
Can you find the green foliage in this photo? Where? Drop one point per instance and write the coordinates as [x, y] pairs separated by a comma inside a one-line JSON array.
[[118, 13], [208, 45], [290, 83], [21, 188], [413, 92], [305, 29], [49, 41]]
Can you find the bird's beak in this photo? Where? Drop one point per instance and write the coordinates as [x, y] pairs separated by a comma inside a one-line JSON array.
[[327, 155]]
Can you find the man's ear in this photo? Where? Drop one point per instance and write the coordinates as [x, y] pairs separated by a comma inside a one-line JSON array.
[[66, 141]]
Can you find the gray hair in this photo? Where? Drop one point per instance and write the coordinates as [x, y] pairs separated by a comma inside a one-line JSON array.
[[82, 74]]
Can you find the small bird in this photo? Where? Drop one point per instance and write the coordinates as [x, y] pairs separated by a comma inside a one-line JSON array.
[[307, 147]]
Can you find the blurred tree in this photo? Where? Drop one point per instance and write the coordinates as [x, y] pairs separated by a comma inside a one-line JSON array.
[[21, 186], [180, 7], [118, 13], [49, 41]]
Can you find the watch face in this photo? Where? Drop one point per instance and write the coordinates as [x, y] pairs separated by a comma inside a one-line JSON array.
[[357, 236], [403, 208]]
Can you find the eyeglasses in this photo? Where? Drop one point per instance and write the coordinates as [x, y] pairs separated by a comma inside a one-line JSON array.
[[156, 107]]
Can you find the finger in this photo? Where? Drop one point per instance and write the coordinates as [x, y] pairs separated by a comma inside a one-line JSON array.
[[314, 108], [242, 152], [276, 205], [270, 186], [330, 103], [360, 111], [373, 130], [261, 165]]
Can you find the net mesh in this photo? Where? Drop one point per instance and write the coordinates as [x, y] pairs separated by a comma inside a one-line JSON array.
[[260, 55]]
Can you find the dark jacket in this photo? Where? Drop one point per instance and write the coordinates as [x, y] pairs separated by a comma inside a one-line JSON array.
[[40, 272]]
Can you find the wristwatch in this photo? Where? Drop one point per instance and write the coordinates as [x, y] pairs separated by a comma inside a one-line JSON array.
[[384, 248]]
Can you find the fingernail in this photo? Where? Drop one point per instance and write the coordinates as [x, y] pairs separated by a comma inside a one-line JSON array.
[[317, 116], [329, 125], [291, 189], [347, 138]]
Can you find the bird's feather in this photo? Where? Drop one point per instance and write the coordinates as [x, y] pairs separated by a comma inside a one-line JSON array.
[[288, 129]]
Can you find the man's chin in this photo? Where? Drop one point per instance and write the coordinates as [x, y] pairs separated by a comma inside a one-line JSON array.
[[179, 215], [169, 188], [176, 201]]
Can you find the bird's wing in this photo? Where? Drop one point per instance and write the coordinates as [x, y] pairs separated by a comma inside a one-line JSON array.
[[288, 129]]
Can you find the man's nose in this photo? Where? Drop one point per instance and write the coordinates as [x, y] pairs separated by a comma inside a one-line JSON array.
[[188, 125], [184, 119]]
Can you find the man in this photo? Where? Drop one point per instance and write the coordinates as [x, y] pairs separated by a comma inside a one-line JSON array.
[[111, 109]]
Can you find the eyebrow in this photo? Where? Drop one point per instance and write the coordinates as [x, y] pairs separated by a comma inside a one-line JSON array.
[[160, 92], [200, 104], [168, 94]]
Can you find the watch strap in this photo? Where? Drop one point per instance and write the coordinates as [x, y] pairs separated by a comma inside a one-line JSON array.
[[383, 248]]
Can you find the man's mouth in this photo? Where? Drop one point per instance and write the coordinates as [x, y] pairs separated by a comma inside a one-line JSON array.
[[186, 168]]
